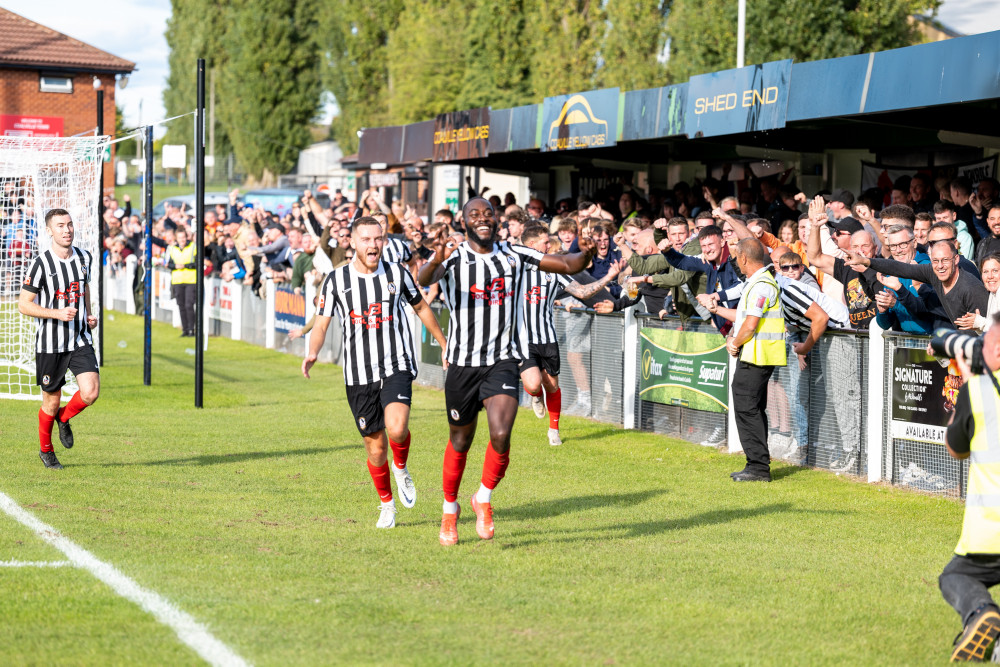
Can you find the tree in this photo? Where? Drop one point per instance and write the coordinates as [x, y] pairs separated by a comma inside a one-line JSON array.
[[271, 82], [566, 38], [633, 42], [426, 61], [195, 29], [702, 33], [353, 36], [497, 63]]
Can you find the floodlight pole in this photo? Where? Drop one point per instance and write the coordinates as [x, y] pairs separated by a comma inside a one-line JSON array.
[[741, 31], [147, 263], [100, 224], [199, 202]]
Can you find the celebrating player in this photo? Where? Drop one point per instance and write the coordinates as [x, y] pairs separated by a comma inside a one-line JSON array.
[[482, 285], [540, 369], [370, 295], [59, 280]]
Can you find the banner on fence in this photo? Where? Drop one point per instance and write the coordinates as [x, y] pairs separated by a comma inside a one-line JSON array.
[[430, 351], [220, 299], [161, 290], [923, 396], [289, 310], [684, 368]]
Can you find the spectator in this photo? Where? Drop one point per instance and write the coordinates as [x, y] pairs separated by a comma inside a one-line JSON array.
[[566, 231], [714, 262], [990, 245], [681, 286], [922, 193], [990, 271], [945, 211], [901, 307], [605, 255], [921, 225]]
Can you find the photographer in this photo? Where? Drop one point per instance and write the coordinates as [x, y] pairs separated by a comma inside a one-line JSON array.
[[973, 434]]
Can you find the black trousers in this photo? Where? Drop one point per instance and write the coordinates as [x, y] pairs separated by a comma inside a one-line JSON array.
[[749, 402], [186, 295], [966, 580]]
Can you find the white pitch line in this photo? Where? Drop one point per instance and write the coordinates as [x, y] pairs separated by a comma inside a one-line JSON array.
[[34, 563], [187, 628]]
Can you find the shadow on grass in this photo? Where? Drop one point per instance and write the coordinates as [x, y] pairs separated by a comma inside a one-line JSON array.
[[216, 459], [646, 528], [188, 362], [559, 506], [598, 434], [785, 471]]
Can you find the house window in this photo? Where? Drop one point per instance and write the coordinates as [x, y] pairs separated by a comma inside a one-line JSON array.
[[50, 83]]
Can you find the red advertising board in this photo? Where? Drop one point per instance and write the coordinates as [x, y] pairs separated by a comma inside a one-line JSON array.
[[31, 126]]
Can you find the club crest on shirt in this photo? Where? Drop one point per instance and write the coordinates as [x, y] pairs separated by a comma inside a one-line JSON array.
[[511, 260], [361, 422], [392, 288]]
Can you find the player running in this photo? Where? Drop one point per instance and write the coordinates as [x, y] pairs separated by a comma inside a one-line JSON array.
[[56, 291], [540, 369], [482, 284], [370, 296]]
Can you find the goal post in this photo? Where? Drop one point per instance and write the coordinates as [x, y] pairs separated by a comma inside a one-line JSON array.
[[38, 174]]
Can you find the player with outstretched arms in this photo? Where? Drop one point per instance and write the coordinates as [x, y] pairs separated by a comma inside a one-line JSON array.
[[482, 283], [56, 291], [370, 295]]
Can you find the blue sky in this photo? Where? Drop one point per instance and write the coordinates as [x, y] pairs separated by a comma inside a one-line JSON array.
[[136, 33]]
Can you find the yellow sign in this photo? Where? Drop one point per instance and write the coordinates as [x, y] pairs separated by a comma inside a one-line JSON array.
[[462, 134], [729, 101]]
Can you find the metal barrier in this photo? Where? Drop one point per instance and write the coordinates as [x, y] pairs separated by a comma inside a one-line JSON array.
[[836, 413]]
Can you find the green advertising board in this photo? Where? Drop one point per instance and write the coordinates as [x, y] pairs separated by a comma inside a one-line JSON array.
[[430, 351], [684, 368]]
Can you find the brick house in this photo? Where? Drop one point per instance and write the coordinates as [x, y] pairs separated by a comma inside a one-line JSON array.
[[47, 82]]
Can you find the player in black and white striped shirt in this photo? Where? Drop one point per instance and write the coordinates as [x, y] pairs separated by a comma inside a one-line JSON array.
[[370, 296], [56, 291], [540, 369], [482, 284]]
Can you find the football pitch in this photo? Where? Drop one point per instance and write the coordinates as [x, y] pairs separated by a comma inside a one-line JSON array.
[[254, 518]]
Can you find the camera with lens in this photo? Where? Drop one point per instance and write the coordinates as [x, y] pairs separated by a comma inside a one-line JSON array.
[[948, 343]]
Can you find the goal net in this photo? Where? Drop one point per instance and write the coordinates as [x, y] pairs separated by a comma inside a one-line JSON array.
[[37, 175]]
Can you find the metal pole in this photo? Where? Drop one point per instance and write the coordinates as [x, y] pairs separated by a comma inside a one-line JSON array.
[[199, 202], [147, 263], [100, 230], [741, 30]]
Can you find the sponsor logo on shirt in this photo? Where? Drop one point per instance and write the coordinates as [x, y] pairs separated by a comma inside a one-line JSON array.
[[534, 295], [495, 292], [71, 294], [372, 318]]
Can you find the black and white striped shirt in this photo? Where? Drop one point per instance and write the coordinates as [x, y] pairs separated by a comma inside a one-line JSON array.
[[796, 298], [485, 294], [61, 283], [540, 289], [395, 251], [372, 309]]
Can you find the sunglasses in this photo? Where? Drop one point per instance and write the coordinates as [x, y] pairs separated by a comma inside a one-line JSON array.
[[931, 243], [790, 267]]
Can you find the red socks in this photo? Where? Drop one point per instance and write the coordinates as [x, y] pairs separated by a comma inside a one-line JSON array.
[[553, 403], [380, 475], [494, 467], [45, 423], [72, 409], [400, 450], [454, 466]]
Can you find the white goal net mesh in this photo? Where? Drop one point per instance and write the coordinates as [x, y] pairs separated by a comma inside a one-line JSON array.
[[37, 175]]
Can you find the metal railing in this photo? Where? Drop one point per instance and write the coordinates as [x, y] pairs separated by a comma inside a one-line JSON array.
[[821, 415]]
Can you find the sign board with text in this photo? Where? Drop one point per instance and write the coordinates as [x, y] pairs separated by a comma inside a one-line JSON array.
[[581, 120], [923, 396], [462, 135], [289, 310], [685, 368], [31, 126], [734, 101]]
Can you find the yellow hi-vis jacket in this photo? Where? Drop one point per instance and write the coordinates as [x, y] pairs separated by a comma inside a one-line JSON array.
[[179, 275], [981, 526], [767, 347]]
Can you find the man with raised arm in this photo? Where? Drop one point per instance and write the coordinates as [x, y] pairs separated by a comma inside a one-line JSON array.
[[482, 283]]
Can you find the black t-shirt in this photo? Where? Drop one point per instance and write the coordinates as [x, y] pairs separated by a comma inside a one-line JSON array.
[[967, 295], [859, 292]]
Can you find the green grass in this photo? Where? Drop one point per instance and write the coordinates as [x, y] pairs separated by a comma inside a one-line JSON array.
[[256, 515]]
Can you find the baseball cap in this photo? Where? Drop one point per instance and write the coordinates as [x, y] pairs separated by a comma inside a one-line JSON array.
[[844, 197], [848, 224]]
